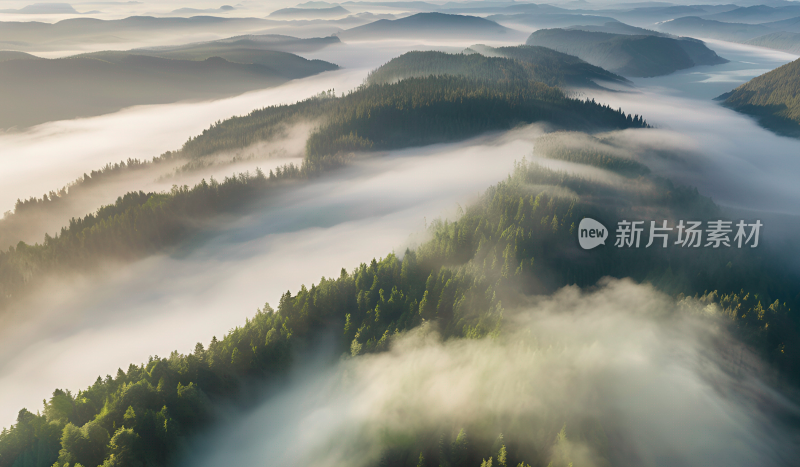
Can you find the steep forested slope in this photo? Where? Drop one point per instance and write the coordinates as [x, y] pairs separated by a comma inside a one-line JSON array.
[[773, 97]]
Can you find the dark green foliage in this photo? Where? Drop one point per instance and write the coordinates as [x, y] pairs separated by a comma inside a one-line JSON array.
[[518, 237], [411, 112], [420, 111], [773, 97]]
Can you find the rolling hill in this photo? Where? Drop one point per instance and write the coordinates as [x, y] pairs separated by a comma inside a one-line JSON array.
[[628, 55], [240, 49], [784, 41], [706, 28], [773, 98], [505, 63], [429, 25], [37, 91]]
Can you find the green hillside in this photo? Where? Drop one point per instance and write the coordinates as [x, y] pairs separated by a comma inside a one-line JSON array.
[[468, 279], [774, 98], [628, 55]]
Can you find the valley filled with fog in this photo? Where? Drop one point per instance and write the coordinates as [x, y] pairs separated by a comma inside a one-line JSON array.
[[660, 368]]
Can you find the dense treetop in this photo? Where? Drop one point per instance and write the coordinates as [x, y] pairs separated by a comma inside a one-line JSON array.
[[518, 239]]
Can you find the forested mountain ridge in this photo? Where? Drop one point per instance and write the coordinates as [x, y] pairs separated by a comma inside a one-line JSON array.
[[628, 55], [412, 112], [481, 62], [774, 98], [381, 116], [464, 280]]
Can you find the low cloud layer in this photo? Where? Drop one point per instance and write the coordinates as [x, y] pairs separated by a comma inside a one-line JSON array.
[[221, 277], [658, 377], [728, 156]]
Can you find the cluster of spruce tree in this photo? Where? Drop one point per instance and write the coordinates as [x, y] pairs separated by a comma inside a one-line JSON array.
[[518, 239]]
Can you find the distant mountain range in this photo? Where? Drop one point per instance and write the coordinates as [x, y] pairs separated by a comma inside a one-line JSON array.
[[711, 29], [628, 55], [46, 9], [430, 25], [757, 14], [309, 13], [550, 20], [615, 27], [237, 48], [785, 41], [66, 34], [773, 98], [781, 35], [35, 90]]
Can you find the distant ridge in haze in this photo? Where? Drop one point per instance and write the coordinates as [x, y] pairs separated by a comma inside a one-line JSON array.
[[429, 25], [45, 9], [309, 13], [240, 46], [628, 55], [757, 14], [706, 28], [41, 90], [783, 41]]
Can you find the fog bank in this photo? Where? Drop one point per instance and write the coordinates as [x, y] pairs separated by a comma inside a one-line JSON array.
[[659, 378], [219, 278]]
